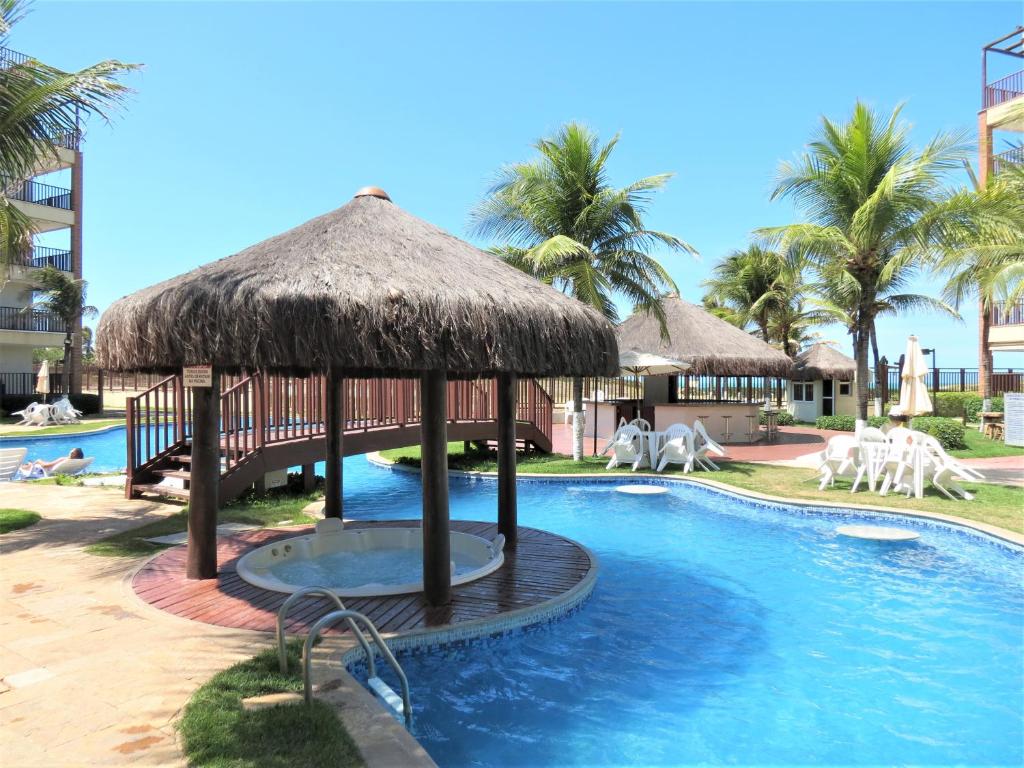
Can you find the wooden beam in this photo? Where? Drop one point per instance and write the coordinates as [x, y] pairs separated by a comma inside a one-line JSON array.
[[335, 413], [437, 575], [204, 482], [507, 512]]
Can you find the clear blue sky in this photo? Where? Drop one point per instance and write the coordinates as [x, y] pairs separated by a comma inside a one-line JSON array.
[[251, 118]]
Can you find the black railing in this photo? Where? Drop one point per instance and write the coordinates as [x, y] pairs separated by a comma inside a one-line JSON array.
[[19, 319], [1003, 90], [1005, 159], [41, 256], [1007, 314], [954, 380], [9, 58], [40, 194]]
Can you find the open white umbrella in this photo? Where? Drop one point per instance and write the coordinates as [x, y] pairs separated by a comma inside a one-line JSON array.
[[43, 379], [914, 398], [648, 364]]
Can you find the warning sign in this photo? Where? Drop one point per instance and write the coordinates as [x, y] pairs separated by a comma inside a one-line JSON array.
[[198, 375]]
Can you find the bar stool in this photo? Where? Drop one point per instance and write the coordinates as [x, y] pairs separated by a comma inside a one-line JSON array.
[[727, 435], [751, 423]]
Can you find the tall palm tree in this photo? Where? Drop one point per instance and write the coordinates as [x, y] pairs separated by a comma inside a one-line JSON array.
[[742, 281], [39, 104], [875, 208], [558, 218], [64, 296]]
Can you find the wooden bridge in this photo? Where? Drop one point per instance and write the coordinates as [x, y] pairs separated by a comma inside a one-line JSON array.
[[271, 422]]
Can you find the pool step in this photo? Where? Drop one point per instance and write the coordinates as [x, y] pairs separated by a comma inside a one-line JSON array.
[[387, 695]]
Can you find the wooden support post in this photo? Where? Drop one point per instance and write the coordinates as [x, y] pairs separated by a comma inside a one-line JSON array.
[[204, 482], [437, 576], [507, 524], [308, 477], [335, 452]]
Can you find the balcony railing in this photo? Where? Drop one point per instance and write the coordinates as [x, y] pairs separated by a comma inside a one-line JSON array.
[[19, 319], [9, 58], [1003, 90], [1005, 159], [40, 194], [41, 256], [66, 139], [1007, 314]]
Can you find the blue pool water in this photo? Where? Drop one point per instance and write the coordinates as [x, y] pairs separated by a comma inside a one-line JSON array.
[[107, 448], [721, 631]]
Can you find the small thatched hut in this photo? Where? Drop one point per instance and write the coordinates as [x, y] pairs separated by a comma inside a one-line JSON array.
[[367, 290], [822, 384]]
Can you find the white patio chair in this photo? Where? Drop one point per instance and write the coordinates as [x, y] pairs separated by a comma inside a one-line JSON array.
[[10, 460], [703, 445], [41, 415], [628, 447], [567, 410], [642, 424], [63, 412], [839, 458], [70, 467], [942, 470], [872, 450], [677, 448], [903, 447], [29, 413]]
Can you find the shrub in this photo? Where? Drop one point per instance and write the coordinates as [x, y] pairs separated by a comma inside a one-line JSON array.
[[87, 404], [785, 419], [949, 432], [955, 404], [847, 423]]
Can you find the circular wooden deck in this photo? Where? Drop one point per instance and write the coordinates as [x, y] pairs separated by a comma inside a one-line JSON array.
[[541, 568]]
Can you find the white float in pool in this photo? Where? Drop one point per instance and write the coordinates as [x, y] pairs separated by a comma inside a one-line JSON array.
[[364, 562], [642, 490], [877, 533]]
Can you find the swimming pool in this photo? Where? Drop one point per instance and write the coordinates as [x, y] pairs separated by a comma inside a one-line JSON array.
[[723, 631], [106, 447]]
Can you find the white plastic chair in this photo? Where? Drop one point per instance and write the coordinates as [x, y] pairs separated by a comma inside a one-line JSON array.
[[69, 467], [628, 448], [63, 412], [943, 470], [11, 460], [839, 458], [903, 447], [677, 448], [703, 444], [872, 451], [36, 414]]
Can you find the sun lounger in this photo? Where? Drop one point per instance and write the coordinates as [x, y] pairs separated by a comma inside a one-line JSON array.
[[11, 460], [69, 467]]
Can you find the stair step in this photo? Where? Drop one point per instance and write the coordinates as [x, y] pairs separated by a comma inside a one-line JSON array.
[[161, 490], [182, 458], [181, 474]]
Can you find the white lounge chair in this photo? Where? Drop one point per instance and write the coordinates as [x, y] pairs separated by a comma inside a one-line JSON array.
[[677, 448], [839, 458], [69, 467], [11, 460], [703, 445], [628, 447], [872, 451]]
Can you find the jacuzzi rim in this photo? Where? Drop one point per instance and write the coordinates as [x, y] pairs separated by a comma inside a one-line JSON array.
[[373, 590]]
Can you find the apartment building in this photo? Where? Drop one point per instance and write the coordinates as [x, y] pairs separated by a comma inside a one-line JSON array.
[[52, 198]]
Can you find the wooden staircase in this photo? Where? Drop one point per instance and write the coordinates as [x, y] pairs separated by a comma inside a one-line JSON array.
[[271, 422]]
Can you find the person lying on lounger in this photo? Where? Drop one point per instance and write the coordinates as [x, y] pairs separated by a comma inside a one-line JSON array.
[[39, 467]]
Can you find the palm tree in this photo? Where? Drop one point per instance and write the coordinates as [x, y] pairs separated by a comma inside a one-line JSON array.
[[38, 104], [558, 218], [63, 296], [876, 207], [742, 281]]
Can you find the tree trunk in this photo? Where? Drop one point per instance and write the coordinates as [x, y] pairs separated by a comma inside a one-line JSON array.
[[878, 371], [577, 418], [984, 357], [860, 353], [65, 373]]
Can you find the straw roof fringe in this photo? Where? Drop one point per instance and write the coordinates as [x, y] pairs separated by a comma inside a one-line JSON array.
[[823, 361], [708, 344], [369, 289]]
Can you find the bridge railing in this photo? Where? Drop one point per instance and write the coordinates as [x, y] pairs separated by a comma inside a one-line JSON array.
[[260, 410]]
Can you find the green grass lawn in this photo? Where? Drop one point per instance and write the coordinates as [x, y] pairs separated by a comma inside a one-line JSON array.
[[14, 519], [216, 731], [87, 425], [269, 510], [998, 505], [980, 447]]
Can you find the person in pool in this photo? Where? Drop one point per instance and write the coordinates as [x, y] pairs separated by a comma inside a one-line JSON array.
[[40, 467]]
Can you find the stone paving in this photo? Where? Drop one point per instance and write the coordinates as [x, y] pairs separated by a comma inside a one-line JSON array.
[[91, 676]]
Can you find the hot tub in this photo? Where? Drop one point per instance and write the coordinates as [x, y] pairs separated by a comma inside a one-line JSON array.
[[365, 562]]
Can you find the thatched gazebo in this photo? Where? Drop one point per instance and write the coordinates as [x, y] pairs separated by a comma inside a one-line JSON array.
[[367, 291], [822, 383], [823, 361]]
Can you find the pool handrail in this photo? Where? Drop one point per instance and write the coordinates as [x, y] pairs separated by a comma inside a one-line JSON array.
[[333, 618], [282, 614]]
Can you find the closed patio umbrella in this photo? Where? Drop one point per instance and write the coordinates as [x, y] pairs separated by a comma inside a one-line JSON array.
[[43, 379], [914, 398]]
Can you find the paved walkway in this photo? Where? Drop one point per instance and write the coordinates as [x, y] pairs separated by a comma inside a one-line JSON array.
[[91, 675]]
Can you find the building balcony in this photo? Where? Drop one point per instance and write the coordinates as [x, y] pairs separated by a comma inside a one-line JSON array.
[[39, 194], [1003, 90], [1007, 314], [34, 320], [69, 139], [1007, 330], [1003, 160], [40, 256]]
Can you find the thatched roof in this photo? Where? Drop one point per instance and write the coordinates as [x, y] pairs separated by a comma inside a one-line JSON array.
[[708, 344], [823, 361], [369, 289]]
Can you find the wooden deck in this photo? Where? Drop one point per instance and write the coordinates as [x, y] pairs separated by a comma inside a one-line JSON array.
[[542, 567]]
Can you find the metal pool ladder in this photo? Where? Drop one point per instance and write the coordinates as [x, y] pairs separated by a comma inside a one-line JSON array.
[[399, 704]]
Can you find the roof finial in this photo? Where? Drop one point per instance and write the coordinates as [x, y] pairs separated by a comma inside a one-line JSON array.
[[373, 192]]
